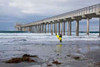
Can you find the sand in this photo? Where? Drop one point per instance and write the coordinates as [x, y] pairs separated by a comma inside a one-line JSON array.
[[48, 49]]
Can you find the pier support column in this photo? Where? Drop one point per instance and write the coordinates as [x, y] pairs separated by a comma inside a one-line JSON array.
[[64, 28], [45, 28], [51, 29], [34, 29], [30, 29], [42, 28], [37, 28], [77, 27], [24, 29], [59, 27], [20, 28], [99, 27], [88, 26], [48, 27], [55, 28], [69, 28]]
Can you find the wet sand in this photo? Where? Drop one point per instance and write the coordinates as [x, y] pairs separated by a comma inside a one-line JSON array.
[[70, 53], [15, 65]]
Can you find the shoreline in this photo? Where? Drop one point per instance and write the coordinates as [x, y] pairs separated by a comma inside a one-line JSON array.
[[48, 48]]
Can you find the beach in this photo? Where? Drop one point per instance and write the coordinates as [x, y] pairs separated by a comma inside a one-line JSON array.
[[82, 51]]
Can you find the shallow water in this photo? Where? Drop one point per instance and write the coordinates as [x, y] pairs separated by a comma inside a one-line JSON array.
[[47, 47]]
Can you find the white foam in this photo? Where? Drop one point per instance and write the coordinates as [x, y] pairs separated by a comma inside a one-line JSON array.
[[43, 37]]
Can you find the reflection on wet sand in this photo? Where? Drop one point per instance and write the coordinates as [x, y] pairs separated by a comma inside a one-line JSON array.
[[60, 55], [78, 55], [58, 48]]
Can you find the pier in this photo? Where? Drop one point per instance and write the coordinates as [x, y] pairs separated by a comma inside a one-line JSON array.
[[47, 25]]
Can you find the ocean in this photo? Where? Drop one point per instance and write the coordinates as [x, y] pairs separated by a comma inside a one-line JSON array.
[[48, 48], [81, 33], [73, 32], [13, 32]]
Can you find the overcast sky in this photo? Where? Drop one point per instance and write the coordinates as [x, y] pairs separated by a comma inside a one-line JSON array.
[[26, 11]]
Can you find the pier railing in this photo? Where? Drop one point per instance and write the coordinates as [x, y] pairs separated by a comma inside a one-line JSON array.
[[79, 12]]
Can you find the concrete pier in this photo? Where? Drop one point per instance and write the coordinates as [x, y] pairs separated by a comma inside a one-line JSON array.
[[99, 27], [70, 25], [69, 28], [39, 28], [30, 28], [51, 29], [88, 26], [55, 28], [48, 27], [45, 28], [64, 28], [58, 22], [77, 27], [42, 28], [59, 28]]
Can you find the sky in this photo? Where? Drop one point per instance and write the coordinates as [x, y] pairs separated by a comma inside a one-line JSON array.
[[27, 11]]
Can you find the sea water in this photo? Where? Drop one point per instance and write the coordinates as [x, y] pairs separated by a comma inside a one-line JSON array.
[[45, 45]]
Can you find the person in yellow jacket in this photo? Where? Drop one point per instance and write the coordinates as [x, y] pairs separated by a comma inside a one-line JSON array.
[[59, 37]]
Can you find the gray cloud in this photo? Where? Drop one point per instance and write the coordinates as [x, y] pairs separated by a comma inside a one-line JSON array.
[[31, 10], [40, 7]]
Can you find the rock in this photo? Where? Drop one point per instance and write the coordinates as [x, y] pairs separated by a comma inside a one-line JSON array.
[[24, 58], [90, 64], [27, 59], [34, 66], [97, 64], [14, 60], [49, 64], [56, 62], [34, 56], [27, 55], [68, 55], [23, 40], [76, 57]]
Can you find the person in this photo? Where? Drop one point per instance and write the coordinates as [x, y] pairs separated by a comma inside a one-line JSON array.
[[60, 37]]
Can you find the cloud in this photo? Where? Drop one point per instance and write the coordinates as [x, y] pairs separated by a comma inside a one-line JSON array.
[[22, 8], [37, 7], [31, 10]]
